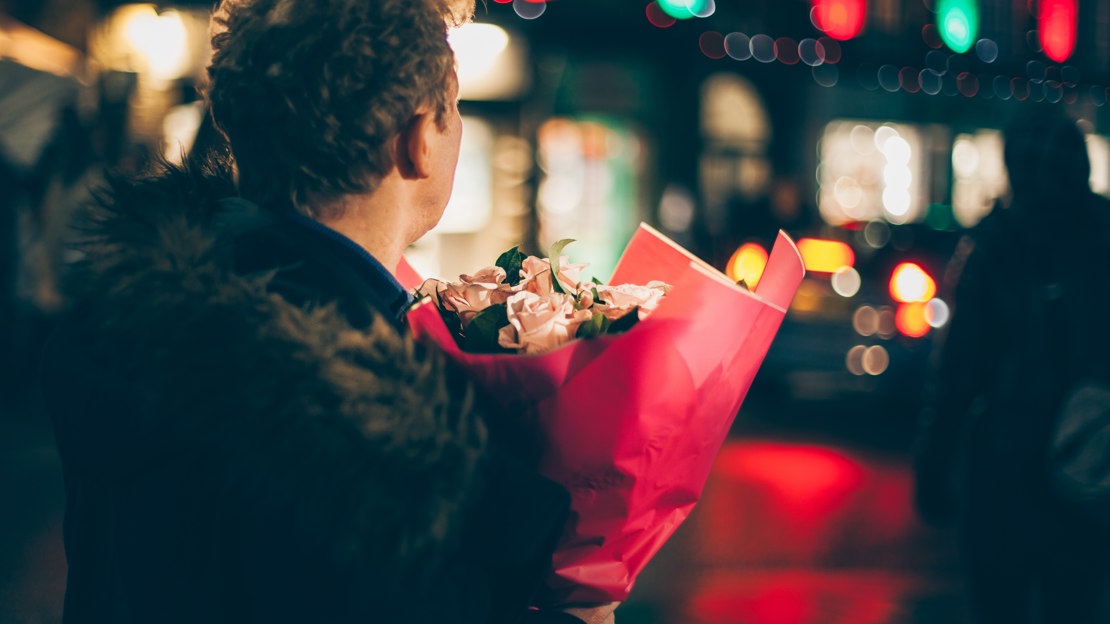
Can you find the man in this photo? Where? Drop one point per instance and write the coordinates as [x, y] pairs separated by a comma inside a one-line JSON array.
[[1028, 321], [247, 433]]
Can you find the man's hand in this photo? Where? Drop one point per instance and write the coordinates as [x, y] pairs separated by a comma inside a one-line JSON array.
[[601, 614]]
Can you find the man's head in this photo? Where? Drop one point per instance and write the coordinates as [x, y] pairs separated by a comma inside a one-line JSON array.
[[312, 94], [1046, 154]]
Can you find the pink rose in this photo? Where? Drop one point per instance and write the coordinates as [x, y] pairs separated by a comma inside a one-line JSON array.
[[467, 300], [620, 299], [535, 275], [538, 324], [492, 276]]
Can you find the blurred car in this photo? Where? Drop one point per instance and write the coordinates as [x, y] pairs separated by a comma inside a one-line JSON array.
[[863, 321]]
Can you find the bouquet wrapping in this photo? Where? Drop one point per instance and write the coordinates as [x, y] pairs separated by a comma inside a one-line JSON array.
[[630, 424]]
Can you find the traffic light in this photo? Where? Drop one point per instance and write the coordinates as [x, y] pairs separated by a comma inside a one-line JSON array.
[[840, 19], [685, 9], [958, 22], [1056, 23]]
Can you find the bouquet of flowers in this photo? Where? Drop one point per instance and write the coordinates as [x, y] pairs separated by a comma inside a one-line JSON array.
[[630, 398], [520, 305]]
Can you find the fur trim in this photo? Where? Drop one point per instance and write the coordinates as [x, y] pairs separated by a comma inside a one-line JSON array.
[[362, 436]]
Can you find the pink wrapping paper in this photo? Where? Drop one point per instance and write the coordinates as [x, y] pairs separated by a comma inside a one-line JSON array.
[[630, 424]]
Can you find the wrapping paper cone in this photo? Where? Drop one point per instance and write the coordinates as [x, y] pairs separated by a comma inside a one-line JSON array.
[[630, 424]]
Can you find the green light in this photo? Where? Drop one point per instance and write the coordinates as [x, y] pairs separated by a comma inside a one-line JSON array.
[[685, 9], [958, 21]]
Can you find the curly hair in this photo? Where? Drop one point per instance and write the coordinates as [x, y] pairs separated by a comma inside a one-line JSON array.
[[309, 93]]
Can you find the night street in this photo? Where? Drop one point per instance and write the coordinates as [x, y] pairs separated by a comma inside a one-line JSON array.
[[806, 521]]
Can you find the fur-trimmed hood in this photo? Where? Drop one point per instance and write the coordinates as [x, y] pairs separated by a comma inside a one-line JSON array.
[[169, 353]]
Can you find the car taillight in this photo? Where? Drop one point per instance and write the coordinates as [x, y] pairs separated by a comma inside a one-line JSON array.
[[747, 264], [909, 283]]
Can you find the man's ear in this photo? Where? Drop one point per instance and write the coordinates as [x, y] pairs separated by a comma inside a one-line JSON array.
[[414, 158]]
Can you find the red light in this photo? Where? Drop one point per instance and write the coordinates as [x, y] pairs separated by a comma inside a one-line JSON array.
[[910, 319], [841, 19], [910, 283], [656, 16], [1056, 24]]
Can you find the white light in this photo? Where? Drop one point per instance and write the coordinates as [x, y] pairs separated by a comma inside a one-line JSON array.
[[965, 158], [529, 10], [477, 47], [936, 312], [897, 150], [883, 134], [159, 41], [897, 176], [847, 192], [896, 201], [846, 281], [471, 204], [863, 139]]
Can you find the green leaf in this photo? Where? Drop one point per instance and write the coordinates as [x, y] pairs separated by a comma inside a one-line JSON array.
[[626, 322], [596, 326], [480, 336], [596, 281], [553, 258], [511, 261]]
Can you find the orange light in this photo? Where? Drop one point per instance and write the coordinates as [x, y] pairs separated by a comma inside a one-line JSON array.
[[910, 319], [825, 256], [910, 283], [747, 264]]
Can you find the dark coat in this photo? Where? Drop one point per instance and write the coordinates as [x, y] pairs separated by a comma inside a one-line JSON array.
[[245, 439]]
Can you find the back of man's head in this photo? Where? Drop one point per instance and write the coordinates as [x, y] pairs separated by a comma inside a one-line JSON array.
[[310, 93], [1046, 154]]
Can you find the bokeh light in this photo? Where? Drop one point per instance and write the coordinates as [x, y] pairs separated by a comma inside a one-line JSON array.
[[875, 360], [658, 17], [811, 52], [909, 79], [931, 81], [931, 36], [968, 84], [825, 256], [910, 319], [529, 10], [958, 23], [910, 283], [831, 48], [826, 75], [846, 281], [747, 263], [853, 360], [1056, 25], [712, 44], [763, 48], [738, 46], [865, 320], [840, 19], [685, 9], [937, 313], [986, 50], [786, 51], [888, 78]]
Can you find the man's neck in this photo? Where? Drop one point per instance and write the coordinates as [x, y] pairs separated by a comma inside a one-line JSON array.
[[375, 222]]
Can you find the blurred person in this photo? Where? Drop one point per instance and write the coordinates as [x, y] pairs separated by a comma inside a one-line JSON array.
[[1028, 319], [46, 162], [248, 434]]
